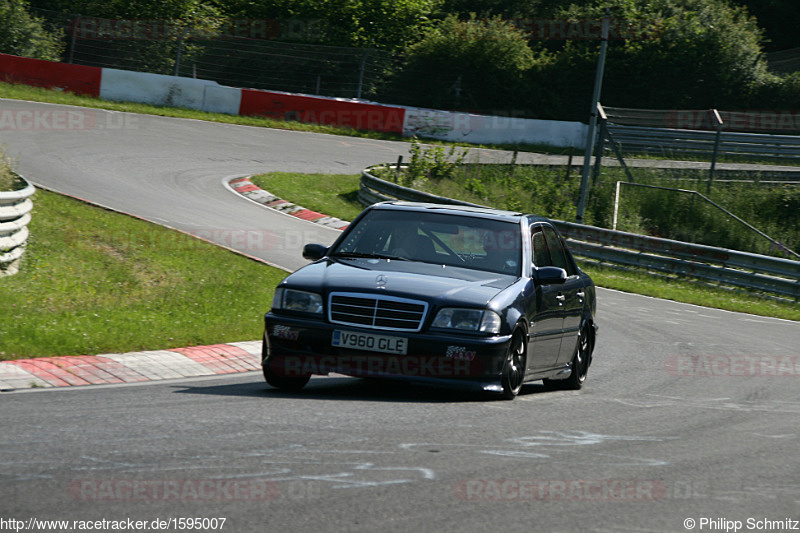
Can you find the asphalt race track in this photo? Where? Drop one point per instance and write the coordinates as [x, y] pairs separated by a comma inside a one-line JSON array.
[[688, 412]]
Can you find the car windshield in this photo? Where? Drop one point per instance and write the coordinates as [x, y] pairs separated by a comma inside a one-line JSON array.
[[454, 240]]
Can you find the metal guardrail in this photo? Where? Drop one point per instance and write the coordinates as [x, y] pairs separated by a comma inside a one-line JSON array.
[[773, 275], [745, 270], [15, 215], [667, 141]]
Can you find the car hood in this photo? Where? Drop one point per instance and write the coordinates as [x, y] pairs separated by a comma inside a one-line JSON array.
[[406, 279]]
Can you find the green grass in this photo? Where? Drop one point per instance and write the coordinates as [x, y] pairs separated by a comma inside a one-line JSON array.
[[687, 291], [335, 195], [94, 281], [8, 180], [332, 194]]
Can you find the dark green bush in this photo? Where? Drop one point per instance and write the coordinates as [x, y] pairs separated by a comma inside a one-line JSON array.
[[473, 64], [24, 35]]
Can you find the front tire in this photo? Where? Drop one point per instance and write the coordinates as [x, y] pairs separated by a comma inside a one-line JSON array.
[[284, 382], [279, 382], [514, 367]]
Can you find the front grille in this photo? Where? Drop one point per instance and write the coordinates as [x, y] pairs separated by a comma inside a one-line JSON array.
[[377, 312]]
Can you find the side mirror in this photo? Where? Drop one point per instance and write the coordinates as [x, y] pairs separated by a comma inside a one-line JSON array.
[[312, 252], [550, 275]]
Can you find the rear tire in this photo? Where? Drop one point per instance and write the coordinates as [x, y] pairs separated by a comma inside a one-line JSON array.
[[580, 362]]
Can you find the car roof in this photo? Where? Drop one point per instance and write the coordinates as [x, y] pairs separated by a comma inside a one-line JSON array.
[[472, 210]]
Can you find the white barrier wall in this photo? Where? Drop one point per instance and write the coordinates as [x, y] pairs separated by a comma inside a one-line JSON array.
[[209, 96], [222, 99], [485, 129], [168, 91]]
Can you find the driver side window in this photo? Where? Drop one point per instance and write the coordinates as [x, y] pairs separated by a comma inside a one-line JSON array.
[[541, 254], [557, 251]]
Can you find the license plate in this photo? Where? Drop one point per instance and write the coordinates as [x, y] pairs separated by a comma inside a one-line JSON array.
[[370, 342]]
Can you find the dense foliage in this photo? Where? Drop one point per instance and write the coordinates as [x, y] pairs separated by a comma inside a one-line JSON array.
[[464, 64], [480, 55], [25, 35]]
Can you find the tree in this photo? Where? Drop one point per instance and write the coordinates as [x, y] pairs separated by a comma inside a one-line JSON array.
[[25, 35], [473, 64], [705, 53], [779, 19], [384, 24]]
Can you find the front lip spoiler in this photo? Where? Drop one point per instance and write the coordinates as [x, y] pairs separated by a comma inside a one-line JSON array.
[[447, 383]]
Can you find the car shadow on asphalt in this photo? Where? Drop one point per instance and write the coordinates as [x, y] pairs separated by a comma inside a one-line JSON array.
[[356, 389]]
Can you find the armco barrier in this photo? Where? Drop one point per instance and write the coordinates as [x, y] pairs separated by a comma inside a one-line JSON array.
[[669, 141], [15, 215], [325, 111], [78, 79], [728, 267]]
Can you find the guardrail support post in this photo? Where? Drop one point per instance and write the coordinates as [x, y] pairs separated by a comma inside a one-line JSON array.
[[569, 165], [718, 120], [397, 168], [590, 138], [361, 74], [601, 146], [76, 22], [184, 32]]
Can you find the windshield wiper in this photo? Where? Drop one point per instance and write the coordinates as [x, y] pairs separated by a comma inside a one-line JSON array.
[[364, 255]]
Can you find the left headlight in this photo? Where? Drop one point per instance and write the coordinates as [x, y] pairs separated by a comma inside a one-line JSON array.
[[479, 320], [299, 301]]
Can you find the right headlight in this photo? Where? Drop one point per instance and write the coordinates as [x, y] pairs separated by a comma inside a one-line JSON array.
[[298, 301], [477, 320]]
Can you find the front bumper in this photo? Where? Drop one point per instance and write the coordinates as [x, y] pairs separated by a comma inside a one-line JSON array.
[[297, 346]]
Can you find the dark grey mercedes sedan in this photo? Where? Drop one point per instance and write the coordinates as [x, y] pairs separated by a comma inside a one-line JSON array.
[[443, 294]]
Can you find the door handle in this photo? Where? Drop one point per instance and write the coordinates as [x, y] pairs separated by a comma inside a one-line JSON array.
[[561, 298], [581, 295]]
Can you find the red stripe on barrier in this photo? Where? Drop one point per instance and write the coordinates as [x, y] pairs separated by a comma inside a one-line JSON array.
[[246, 187], [78, 79], [325, 111]]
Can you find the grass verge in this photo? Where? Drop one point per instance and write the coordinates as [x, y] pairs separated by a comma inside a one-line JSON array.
[[8, 180], [335, 195], [340, 200], [94, 281]]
